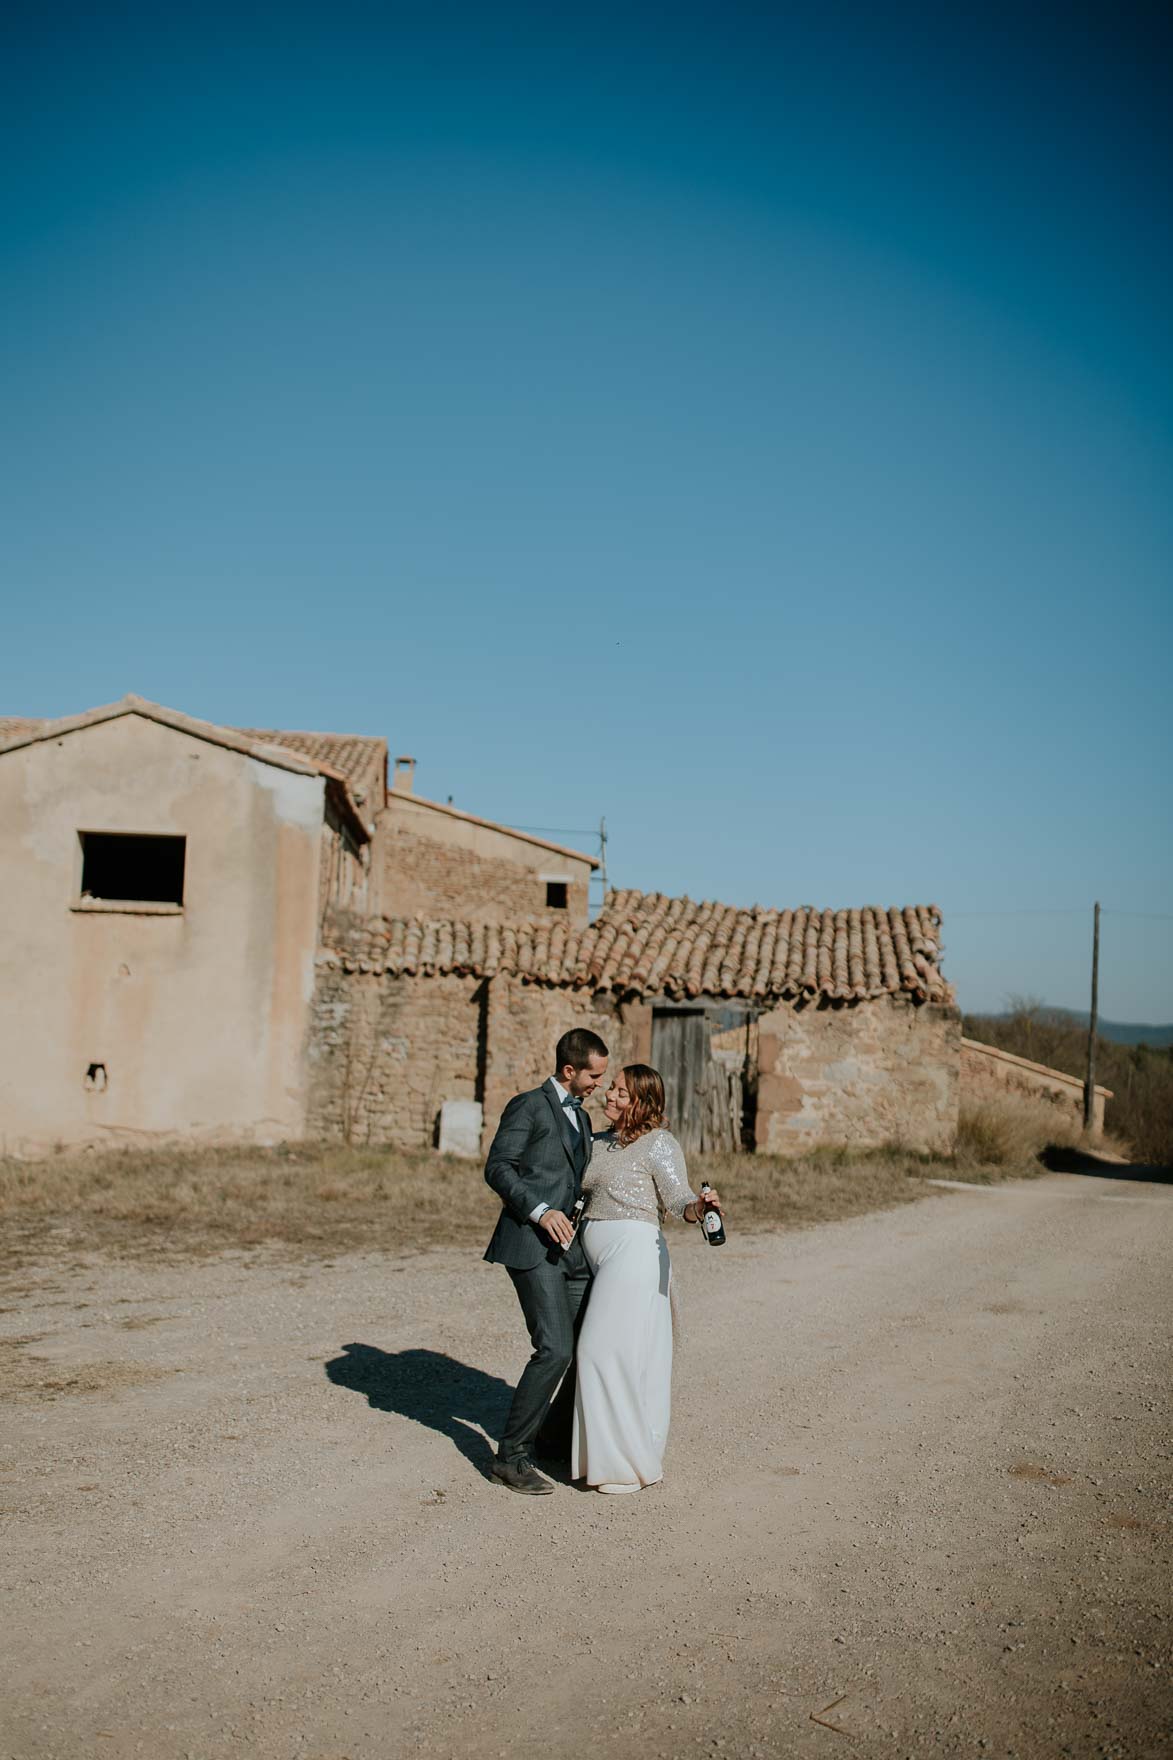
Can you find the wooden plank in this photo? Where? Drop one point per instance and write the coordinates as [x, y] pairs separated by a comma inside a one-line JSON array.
[[680, 1051]]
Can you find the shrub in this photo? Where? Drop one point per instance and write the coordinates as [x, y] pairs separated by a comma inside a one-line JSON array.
[[1009, 1130]]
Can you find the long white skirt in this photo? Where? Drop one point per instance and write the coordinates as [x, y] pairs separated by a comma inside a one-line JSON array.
[[624, 1359]]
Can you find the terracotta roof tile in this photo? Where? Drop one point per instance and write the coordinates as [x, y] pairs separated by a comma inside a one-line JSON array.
[[649, 945], [360, 758]]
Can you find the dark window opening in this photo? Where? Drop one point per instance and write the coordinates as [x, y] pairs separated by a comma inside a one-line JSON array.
[[556, 895], [143, 870], [96, 1078]]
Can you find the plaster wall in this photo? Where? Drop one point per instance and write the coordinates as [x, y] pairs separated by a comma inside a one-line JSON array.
[[198, 1013]]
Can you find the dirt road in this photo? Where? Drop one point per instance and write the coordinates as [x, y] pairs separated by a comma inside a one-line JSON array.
[[918, 1487]]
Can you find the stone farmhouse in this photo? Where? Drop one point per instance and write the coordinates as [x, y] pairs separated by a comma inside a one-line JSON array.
[[853, 1035], [216, 933], [168, 887]]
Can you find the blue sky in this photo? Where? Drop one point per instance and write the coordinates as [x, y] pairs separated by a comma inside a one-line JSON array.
[[751, 424]]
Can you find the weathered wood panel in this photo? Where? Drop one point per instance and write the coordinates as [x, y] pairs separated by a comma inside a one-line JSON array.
[[680, 1051]]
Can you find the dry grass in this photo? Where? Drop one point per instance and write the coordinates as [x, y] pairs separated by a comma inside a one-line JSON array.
[[1010, 1133], [318, 1198], [1140, 1076], [171, 1202], [826, 1185], [322, 1199]]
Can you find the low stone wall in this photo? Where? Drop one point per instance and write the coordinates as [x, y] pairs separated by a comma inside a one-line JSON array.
[[860, 1075], [988, 1071]]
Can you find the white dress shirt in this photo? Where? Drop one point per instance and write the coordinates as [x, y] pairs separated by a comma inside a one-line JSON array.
[[571, 1112]]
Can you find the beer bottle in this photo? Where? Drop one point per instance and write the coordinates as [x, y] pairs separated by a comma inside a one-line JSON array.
[[711, 1221]]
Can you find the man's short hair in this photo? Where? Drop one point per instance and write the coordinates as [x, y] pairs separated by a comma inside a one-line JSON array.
[[577, 1047]]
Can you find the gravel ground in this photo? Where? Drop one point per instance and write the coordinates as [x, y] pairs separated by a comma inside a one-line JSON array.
[[918, 1484]]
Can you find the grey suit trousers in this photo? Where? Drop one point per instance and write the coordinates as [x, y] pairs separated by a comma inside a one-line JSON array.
[[553, 1299]]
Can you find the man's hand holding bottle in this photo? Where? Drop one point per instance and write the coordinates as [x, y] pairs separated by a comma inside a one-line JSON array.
[[559, 1227]]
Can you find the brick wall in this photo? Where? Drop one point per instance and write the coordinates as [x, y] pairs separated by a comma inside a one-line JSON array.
[[424, 877], [861, 1075]]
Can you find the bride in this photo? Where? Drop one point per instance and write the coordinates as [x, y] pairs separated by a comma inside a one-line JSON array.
[[624, 1360]]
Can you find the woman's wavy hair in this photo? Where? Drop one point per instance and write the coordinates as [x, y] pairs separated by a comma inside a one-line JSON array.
[[645, 1110]]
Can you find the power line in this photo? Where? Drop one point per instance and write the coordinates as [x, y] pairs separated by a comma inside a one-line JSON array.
[[1077, 910], [1067, 911], [555, 830], [1073, 911]]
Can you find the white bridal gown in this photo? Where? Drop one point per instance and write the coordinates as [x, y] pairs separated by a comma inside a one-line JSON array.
[[624, 1359]]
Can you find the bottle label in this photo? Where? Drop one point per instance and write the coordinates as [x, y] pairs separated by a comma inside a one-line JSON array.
[[712, 1222]]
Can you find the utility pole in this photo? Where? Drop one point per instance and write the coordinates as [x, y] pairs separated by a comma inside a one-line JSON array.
[[1089, 1087], [599, 877]]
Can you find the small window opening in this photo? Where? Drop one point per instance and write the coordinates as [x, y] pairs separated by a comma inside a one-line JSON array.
[[120, 865], [556, 895], [96, 1078]]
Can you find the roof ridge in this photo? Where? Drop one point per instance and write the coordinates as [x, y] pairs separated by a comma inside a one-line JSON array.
[[215, 732]]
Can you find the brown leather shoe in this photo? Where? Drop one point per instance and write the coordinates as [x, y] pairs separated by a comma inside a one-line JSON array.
[[521, 1475]]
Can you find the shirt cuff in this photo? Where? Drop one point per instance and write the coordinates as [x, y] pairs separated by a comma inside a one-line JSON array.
[[536, 1215]]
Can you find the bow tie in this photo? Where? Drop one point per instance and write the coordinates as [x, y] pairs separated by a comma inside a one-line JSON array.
[[572, 1102]]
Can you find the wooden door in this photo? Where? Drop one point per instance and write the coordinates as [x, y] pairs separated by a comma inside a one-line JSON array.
[[680, 1051]]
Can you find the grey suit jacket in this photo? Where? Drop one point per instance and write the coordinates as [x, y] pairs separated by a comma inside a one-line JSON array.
[[531, 1162]]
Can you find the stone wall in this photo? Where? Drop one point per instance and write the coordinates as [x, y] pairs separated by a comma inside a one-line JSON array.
[[861, 1074], [525, 1022], [987, 1071], [435, 861], [422, 877], [386, 1052]]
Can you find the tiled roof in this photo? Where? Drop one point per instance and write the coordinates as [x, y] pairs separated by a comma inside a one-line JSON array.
[[648, 945], [360, 757], [11, 725]]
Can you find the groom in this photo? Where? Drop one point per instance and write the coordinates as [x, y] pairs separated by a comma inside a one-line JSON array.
[[535, 1166]]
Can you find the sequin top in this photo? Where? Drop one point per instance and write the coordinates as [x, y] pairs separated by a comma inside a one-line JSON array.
[[624, 1184]]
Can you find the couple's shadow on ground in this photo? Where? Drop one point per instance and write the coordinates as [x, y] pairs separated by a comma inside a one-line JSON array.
[[429, 1388]]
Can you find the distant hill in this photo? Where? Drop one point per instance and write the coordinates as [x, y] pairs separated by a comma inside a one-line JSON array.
[[1119, 1032]]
